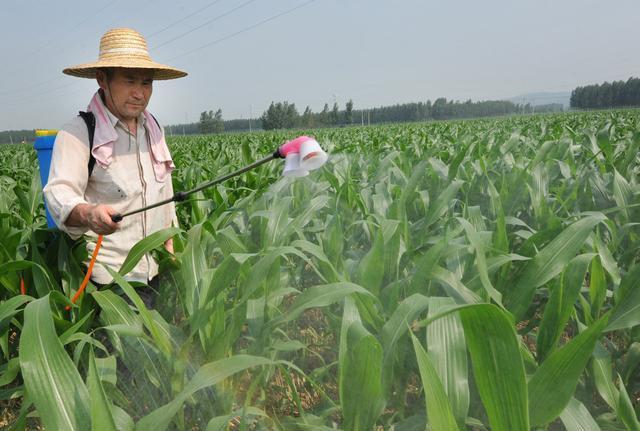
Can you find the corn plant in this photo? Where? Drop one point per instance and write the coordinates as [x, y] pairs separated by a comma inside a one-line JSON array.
[[447, 276]]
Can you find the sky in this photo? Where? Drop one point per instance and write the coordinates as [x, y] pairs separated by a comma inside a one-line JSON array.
[[243, 54]]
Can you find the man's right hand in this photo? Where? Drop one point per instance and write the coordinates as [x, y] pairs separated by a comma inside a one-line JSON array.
[[95, 217]]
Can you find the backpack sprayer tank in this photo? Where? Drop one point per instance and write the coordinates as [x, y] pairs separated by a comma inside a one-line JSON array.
[[44, 146]]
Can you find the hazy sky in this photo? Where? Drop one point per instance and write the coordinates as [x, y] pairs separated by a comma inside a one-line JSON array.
[[243, 54]]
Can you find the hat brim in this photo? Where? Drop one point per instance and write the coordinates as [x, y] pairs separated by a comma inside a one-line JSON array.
[[161, 71]]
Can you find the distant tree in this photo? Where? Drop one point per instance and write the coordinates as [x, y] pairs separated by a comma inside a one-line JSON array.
[[334, 115], [218, 122], [607, 95], [324, 115], [439, 108], [281, 115], [211, 122], [206, 122], [348, 112], [307, 118]]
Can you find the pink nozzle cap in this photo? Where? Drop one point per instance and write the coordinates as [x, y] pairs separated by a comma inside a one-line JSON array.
[[292, 146]]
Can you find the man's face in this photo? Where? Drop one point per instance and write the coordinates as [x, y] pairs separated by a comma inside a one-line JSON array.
[[128, 92]]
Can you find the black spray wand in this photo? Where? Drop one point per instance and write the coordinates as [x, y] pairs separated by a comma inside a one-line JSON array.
[[301, 155]]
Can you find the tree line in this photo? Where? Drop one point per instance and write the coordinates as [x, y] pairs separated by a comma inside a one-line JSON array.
[[283, 115], [607, 95]]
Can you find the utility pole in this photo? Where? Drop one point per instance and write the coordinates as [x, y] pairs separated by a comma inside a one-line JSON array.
[[250, 115], [362, 117], [185, 121]]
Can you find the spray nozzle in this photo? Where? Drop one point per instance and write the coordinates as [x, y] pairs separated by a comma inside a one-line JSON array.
[[302, 154]]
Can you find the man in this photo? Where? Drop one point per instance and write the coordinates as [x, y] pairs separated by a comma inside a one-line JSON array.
[[132, 162]]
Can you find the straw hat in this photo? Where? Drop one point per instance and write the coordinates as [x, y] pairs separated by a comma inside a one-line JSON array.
[[124, 47]]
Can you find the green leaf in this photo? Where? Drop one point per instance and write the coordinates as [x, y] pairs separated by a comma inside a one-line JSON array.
[[597, 287], [626, 312], [101, 417], [401, 318], [481, 262], [363, 400], [448, 353], [561, 303], [371, 267], [497, 366], [50, 378], [349, 315], [119, 318], [622, 193], [625, 410], [115, 310], [193, 266], [442, 203], [549, 262], [318, 296], [601, 365], [576, 417], [144, 246], [122, 419], [10, 308], [10, 371], [207, 375], [221, 423], [395, 328], [159, 336], [554, 383], [438, 407], [39, 273], [454, 287]]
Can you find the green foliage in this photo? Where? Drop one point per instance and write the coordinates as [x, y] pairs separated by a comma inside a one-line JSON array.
[[614, 94], [211, 122], [449, 275], [281, 115]]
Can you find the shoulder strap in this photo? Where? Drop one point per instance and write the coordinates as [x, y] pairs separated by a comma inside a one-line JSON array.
[[156, 120], [90, 121]]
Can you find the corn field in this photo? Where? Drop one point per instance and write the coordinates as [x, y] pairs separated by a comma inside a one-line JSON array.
[[474, 275]]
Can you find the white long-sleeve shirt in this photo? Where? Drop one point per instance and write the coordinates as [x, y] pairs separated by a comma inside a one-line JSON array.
[[128, 183]]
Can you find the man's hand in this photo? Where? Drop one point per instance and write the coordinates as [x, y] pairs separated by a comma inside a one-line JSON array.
[[95, 217]]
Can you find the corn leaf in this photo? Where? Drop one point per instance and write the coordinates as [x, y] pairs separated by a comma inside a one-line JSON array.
[[576, 417], [50, 377], [626, 312], [207, 375], [144, 246], [497, 366], [549, 262], [363, 398], [625, 410], [439, 410], [318, 296], [101, 416], [448, 352], [561, 302], [554, 383]]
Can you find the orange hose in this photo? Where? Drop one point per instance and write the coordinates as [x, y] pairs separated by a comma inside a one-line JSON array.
[[88, 275]]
